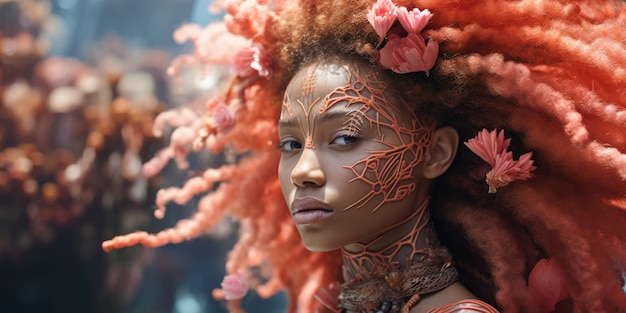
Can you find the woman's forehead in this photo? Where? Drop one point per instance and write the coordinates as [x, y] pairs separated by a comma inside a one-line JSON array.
[[336, 87], [325, 86], [320, 78]]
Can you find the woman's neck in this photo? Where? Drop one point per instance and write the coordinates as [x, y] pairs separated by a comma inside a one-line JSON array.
[[396, 267], [396, 247]]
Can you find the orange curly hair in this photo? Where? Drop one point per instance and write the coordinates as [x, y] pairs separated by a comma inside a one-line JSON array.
[[553, 73]]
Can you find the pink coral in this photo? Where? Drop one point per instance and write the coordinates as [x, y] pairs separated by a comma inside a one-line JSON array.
[[234, 286], [158, 162], [205, 40], [252, 61], [246, 17], [186, 32], [382, 16], [409, 54], [180, 144], [491, 147], [414, 21], [175, 118]]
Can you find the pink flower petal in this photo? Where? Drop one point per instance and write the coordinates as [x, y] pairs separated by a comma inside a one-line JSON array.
[[492, 149], [251, 61], [381, 17], [548, 281], [488, 144], [223, 117], [523, 167], [386, 53], [413, 21], [430, 54], [235, 286], [409, 54], [219, 117], [499, 175]]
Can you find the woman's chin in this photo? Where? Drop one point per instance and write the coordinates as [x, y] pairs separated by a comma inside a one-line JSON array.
[[319, 246]]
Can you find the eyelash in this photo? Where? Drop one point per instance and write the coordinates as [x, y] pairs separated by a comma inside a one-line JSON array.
[[281, 146], [352, 136], [353, 139]]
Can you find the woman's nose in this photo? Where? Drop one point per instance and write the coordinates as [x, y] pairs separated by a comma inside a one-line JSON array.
[[308, 170]]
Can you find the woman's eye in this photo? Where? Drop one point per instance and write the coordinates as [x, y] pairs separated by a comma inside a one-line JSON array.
[[345, 140], [289, 145]]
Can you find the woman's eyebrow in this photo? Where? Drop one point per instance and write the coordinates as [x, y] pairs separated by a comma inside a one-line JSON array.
[[324, 117], [289, 123], [333, 115]]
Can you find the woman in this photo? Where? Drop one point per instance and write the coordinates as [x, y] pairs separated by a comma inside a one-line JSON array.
[[390, 116], [355, 171]]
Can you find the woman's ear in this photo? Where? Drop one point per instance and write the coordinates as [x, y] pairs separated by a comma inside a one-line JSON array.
[[440, 152]]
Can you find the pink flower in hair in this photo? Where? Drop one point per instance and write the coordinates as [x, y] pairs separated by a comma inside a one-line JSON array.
[[382, 15], [234, 286], [414, 21], [547, 281], [507, 170], [224, 119], [409, 54], [252, 61], [487, 145], [492, 148], [220, 117]]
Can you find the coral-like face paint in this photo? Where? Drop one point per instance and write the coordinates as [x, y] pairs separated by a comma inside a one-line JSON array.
[[350, 156]]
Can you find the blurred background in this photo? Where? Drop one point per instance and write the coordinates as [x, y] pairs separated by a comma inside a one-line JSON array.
[[80, 84]]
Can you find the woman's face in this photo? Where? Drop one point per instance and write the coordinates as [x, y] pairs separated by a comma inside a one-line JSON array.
[[351, 154]]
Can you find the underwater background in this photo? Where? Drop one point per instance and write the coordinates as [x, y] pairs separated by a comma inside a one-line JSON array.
[[81, 82]]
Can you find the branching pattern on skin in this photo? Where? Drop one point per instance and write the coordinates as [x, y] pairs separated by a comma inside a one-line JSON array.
[[308, 84], [307, 87], [389, 172], [308, 140], [366, 264], [398, 271]]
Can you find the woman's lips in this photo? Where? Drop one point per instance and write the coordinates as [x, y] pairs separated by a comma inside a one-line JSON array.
[[309, 210], [311, 216]]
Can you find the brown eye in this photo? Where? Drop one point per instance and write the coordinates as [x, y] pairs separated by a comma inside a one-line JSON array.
[[345, 140], [289, 145]]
